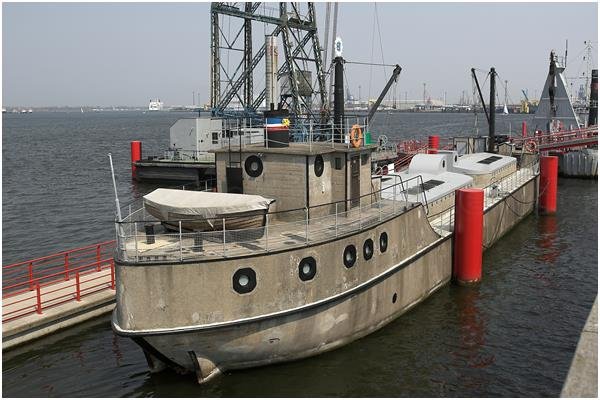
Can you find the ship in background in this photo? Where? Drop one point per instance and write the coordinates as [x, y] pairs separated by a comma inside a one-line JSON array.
[[155, 105]]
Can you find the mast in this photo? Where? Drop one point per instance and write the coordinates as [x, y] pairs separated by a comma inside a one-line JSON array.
[[492, 134], [593, 116]]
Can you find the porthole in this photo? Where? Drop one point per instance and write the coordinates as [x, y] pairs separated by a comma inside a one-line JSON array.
[[307, 268], [368, 249], [319, 165], [455, 158], [244, 280], [394, 298], [349, 256], [383, 242], [253, 166], [443, 163]]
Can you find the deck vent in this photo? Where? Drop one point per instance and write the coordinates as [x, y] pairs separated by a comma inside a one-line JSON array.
[[428, 185], [489, 160]]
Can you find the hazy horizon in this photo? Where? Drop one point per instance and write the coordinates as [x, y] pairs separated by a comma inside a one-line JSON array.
[[104, 54]]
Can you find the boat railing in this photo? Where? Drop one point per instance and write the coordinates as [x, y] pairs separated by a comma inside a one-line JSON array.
[[142, 238], [498, 190], [188, 155], [302, 130]]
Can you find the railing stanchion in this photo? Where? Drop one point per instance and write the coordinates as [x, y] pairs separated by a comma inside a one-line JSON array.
[[336, 219], [306, 224], [224, 238], [394, 205], [180, 243], [66, 266], [359, 215], [30, 267], [267, 232], [38, 308], [77, 287], [135, 240], [112, 274], [98, 257]]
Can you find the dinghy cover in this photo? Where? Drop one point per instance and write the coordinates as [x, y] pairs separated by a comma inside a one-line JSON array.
[[203, 204]]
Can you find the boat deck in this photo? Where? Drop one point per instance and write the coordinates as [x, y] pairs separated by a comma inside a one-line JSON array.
[[272, 237]]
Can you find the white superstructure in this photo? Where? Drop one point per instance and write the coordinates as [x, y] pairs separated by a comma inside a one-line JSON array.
[[155, 105]]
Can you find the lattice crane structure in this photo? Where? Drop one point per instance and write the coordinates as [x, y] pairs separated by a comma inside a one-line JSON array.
[[238, 58]]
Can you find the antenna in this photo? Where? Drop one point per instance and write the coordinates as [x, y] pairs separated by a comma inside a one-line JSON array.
[[112, 171], [566, 51]]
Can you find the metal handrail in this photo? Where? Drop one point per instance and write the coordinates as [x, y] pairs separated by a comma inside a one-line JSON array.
[[46, 267], [279, 231], [52, 293]]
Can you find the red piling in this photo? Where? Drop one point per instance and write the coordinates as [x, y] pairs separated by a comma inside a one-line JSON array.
[[548, 184], [468, 235], [524, 129], [434, 144], [136, 155]]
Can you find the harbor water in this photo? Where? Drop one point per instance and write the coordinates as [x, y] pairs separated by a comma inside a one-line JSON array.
[[512, 335]]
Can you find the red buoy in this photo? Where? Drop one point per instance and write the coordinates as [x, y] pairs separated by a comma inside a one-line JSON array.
[[136, 155], [468, 235], [524, 129], [548, 184], [434, 144]]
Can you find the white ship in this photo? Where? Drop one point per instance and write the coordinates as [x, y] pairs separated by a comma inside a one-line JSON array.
[[155, 105]]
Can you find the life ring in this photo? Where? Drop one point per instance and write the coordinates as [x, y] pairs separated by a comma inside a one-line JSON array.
[[530, 146], [356, 136]]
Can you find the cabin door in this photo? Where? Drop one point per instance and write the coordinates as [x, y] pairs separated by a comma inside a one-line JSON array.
[[355, 181], [234, 180]]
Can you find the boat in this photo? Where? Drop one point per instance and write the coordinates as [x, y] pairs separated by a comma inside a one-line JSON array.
[[189, 157], [505, 110], [155, 105], [205, 211], [341, 253]]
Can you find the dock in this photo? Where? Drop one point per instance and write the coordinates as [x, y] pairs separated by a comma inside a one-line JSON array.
[[47, 294], [582, 380]]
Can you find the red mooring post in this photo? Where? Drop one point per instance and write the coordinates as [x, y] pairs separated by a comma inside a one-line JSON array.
[[468, 236], [548, 184], [434, 144], [524, 129], [136, 155]]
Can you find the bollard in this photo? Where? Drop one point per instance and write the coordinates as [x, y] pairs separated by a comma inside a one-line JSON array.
[[149, 228], [434, 144], [468, 236], [548, 185], [136, 155], [524, 129]]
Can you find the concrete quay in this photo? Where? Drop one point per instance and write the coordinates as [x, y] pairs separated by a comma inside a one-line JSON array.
[[582, 380]]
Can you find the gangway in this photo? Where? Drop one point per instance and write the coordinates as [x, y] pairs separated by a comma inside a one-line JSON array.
[[559, 141]]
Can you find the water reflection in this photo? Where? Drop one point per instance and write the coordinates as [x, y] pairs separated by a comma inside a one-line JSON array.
[[472, 327], [548, 228]]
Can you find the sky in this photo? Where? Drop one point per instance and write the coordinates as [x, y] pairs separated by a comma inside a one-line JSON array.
[[77, 54]]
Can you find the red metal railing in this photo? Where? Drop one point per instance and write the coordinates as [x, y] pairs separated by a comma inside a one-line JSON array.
[[560, 140], [34, 285]]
